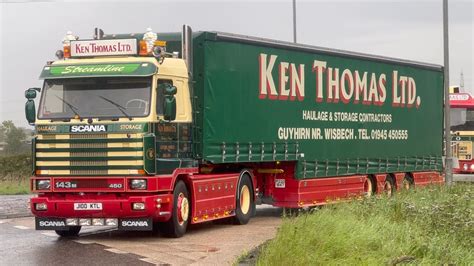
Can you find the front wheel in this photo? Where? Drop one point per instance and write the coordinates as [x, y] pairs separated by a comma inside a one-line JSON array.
[[176, 226], [245, 204], [70, 232]]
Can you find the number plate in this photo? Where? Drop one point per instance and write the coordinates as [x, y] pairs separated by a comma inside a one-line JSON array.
[[87, 206]]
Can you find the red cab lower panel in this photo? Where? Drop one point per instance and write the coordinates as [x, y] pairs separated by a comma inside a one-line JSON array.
[[157, 207]]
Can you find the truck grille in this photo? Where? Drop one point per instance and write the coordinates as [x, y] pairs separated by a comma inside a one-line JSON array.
[[89, 154], [89, 184]]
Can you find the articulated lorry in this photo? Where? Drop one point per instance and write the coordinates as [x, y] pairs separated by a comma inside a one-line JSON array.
[[144, 131]]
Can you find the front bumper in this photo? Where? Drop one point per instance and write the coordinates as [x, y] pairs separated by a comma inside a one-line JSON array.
[[125, 224], [157, 207]]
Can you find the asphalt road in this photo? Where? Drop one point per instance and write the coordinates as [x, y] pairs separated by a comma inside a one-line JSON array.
[[203, 244]]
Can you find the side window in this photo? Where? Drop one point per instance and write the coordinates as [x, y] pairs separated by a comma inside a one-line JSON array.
[[160, 95]]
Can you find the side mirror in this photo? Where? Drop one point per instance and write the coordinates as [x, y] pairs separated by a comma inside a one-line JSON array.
[[169, 110], [30, 109]]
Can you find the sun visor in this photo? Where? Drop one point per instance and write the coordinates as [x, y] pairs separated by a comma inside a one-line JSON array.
[[98, 70]]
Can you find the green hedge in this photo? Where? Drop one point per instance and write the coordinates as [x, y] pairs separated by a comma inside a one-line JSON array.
[[17, 167]]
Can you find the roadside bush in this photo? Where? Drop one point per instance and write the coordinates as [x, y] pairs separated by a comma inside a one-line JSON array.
[[17, 167]]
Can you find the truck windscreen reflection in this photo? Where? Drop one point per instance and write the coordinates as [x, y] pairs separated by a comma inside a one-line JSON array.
[[96, 98]]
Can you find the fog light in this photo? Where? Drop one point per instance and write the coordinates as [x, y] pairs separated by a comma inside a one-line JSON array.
[[138, 206], [41, 206], [85, 222], [72, 222], [111, 222], [158, 205], [98, 221], [138, 184]]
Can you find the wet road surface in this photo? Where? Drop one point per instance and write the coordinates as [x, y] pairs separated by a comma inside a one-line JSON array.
[[21, 245], [203, 244]]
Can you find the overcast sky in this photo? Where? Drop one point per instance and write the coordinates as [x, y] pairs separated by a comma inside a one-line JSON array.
[[31, 31]]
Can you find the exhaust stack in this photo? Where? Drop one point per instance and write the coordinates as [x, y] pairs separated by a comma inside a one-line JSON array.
[[187, 48]]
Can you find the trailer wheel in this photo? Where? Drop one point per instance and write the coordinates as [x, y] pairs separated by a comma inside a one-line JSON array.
[[176, 226], [389, 186], [245, 204], [408, 182], [368, 187], [70, 232]]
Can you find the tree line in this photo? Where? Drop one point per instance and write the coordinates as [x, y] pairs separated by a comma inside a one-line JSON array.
[[14, 140]]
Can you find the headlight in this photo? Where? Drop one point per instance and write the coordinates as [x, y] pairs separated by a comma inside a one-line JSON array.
[[472, 166], [43, 184], [138, 184], [465, 166]]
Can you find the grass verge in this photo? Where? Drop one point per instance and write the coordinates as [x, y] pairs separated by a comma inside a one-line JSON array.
[[431, 226], [14, 187]]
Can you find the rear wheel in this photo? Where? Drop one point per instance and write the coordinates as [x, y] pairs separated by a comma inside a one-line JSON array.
[[408, 182], [368, 187], [245, 204], [176, 226], [389, 186], [69, 232]]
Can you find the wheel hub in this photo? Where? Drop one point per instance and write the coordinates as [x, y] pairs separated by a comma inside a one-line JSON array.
[[388, 188], [183, 209], [245, 199], [367, 187]]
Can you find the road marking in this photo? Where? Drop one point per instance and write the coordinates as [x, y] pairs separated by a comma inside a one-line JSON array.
[[152, 261], [84, 242], [21, 227], [49, 234], [117, 251]]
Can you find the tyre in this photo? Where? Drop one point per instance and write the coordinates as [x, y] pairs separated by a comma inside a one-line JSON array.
[[245, 204], [368, 187], [389, 186], [408, 182], [70, 232], [176, 226]]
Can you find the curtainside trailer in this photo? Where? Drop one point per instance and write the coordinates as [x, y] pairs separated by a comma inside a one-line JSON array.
[[144, 131]]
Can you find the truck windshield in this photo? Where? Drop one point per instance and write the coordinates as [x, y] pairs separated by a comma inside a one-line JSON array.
[[110, 98], [462, 120]]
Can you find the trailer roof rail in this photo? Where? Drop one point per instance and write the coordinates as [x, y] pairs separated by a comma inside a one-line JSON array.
[[323, 50]]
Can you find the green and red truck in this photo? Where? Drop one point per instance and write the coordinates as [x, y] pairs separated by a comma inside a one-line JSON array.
[[144, 131]]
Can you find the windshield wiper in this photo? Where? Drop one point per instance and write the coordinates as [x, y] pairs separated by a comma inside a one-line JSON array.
[[121, 108], [72, 107]]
